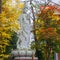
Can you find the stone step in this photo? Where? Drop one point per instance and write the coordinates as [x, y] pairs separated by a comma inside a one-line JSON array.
[[25, 58]]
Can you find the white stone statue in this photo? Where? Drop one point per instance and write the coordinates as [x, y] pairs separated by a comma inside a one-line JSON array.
[[24, 33]]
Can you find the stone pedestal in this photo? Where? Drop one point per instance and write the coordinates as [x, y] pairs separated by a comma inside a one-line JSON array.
[[26, 58], [24, 54]]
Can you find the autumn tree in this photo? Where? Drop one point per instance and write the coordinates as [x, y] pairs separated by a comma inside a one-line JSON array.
[[47, 32], [9, 14]]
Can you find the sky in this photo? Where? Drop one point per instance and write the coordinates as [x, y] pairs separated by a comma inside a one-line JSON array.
[[56, 1]]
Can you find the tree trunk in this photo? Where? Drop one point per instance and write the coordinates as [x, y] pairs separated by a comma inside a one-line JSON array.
[[48, 54], [0, 6], [34, 29]]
